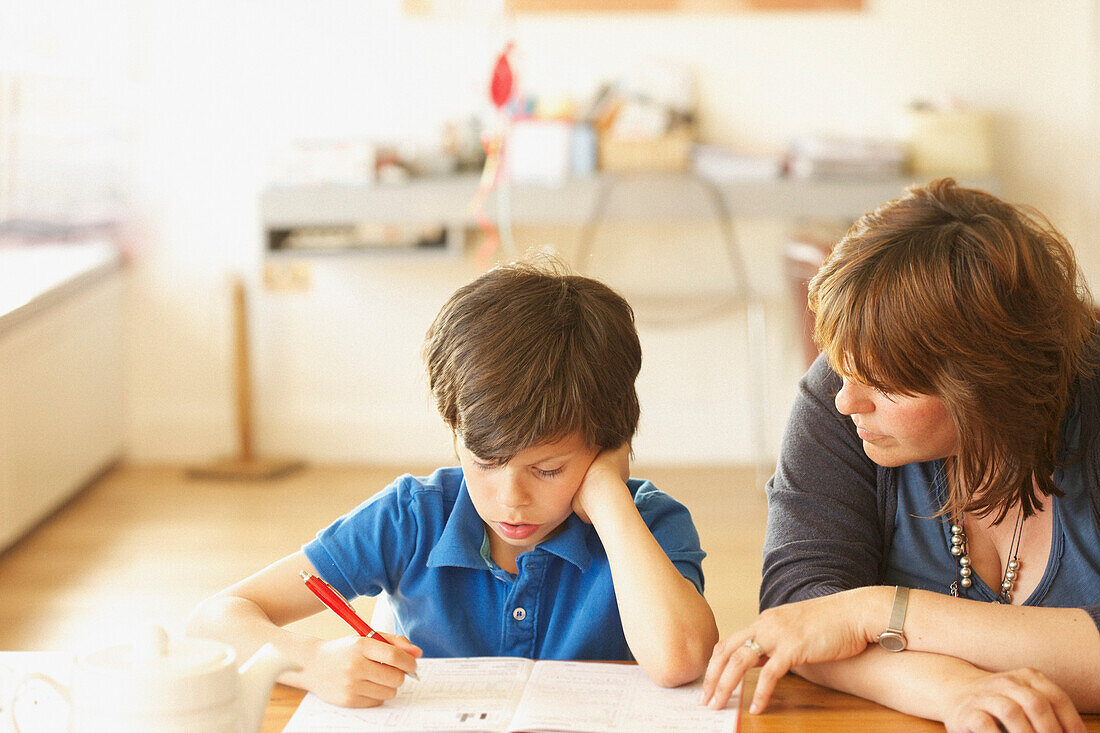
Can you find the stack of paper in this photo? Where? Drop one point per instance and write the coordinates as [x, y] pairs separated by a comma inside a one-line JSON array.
[[722, 164], [826, 157]]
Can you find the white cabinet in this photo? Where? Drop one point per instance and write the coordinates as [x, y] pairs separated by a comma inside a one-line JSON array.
[[61, 396]]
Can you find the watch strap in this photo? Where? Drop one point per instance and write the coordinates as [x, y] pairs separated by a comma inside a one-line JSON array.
[[897, 611], [893, 639]]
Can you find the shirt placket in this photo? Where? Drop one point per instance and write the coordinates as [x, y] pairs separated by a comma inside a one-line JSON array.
[[521, 607]]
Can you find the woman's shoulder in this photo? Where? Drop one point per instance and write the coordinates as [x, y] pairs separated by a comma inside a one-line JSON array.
[[1081, 424], [1081, 435], [820, 380]]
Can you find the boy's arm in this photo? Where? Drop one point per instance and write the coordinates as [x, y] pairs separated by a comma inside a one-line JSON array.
[[667, 623], [350, 671]]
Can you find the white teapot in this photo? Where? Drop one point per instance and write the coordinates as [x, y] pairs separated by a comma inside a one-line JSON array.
[[188, 685]]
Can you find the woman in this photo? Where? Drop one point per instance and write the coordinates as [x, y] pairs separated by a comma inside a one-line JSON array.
[[944, 443]]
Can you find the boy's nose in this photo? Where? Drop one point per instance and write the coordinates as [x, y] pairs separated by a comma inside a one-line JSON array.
[[513, 493]]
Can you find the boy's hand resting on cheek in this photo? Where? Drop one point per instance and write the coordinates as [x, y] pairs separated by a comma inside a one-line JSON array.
[[357, 672], [667, 623], [604, 479]]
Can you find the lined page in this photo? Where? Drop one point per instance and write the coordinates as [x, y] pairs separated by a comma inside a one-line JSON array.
[[615, 698], [470, 694]]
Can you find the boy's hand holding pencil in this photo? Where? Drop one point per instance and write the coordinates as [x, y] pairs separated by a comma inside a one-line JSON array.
[[359, 671]]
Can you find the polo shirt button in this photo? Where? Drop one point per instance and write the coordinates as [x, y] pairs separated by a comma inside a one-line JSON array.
[[519, 614]]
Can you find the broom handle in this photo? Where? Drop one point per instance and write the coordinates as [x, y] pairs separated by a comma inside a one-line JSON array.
[[243, 371]]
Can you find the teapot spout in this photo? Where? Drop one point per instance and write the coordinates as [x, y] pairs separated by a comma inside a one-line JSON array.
[[257, 678]]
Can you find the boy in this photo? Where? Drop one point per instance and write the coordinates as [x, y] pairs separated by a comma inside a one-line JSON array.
[[537, 545]]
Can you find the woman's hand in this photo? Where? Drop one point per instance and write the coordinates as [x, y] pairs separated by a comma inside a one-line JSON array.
[[356, 672], [817, 630], [1019, 701], [610, 468]]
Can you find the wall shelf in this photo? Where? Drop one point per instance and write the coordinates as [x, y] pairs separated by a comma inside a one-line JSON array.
[[446, 201]]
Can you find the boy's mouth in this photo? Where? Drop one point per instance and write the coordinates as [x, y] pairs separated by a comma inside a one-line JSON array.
[[517, 531]]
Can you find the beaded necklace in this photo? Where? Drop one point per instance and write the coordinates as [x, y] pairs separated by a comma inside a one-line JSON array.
[[963, 579]]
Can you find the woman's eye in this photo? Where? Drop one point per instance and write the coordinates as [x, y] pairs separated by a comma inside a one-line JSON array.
[[891, 396], [551, 473]]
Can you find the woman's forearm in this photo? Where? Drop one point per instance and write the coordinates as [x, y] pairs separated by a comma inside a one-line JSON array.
[[1062, 643], [915, 683], [952, 691]]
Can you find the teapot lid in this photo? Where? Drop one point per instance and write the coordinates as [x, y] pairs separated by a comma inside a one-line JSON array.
[[152, 652], [155, 676]]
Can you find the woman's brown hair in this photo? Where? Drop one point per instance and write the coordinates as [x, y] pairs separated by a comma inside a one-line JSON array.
[[527, 354], [951, 292]]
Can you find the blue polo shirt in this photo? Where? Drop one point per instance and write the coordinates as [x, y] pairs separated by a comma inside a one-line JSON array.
[[422, 542]]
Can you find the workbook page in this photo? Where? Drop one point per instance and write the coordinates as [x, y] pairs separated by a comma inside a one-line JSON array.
[[614, 698], [474, 694]]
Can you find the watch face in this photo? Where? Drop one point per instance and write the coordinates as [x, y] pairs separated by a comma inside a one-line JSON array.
[[892, 641]]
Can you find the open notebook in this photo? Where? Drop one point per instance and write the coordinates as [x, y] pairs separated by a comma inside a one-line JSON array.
[[491, 694]]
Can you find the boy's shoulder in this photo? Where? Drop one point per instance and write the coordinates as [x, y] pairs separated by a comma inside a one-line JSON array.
[[442, 485], [650, 500], [425, 502], [671, 524]]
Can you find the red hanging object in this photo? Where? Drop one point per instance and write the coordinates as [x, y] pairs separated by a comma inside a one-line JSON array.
[[500, 89]]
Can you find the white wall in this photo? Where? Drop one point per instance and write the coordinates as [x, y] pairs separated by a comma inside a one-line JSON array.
[[227, 83]]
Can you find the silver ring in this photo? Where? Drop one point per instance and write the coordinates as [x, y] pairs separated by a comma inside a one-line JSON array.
[[754, 647]]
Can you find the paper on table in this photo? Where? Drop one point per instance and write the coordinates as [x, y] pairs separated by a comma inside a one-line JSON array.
[[501, 694], [477, 694], [608, 698]]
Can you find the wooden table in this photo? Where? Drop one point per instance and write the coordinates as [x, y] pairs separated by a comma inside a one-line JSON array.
[[797, 705]]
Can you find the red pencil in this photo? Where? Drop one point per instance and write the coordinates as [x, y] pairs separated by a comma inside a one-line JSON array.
[[343, 609]]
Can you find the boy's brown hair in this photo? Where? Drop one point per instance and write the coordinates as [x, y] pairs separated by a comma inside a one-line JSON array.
[[527, 354], [952, 292]]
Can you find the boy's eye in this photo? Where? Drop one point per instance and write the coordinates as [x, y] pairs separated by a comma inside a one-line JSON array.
[[549, 473], [485, 466]]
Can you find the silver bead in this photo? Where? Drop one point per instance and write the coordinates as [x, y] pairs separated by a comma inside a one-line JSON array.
[[1013, 564], [964, 561], [964, 572], [1006, 585], [1010, 575], [956, 540], [956, 529], [965, 582], [956, 551], [1006, 597]]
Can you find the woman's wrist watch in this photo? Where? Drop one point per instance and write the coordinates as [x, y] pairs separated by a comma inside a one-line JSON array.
[[893, 639]]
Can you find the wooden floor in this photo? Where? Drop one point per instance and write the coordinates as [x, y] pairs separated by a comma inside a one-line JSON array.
[[144, 544]]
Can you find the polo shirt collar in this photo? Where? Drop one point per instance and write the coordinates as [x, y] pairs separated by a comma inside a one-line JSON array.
[[459, 543], [571, 544]]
